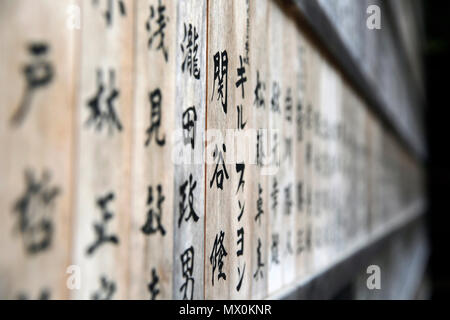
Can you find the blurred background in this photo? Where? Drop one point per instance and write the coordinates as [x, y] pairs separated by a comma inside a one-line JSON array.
[[437, 66]]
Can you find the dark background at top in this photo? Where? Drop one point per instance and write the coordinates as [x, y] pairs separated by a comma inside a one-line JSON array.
[[437, 67]]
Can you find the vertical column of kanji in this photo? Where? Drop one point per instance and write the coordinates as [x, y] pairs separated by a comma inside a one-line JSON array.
[[243, 141], [336, 204], [338, 210], [362, 171], [257, 199], [326, 84], [103, 186], [276, 237], [299, 155], [356, 158], [319, 146], [374, 205], [151, 232], [369, 174], [368, 168], [288, 149], [330, 101], [309, 67], [221, 240], [354, 125], [378, 175], [352, 201], [188, 155], [37, 80], [342, 213], [348, 219], [351, 191], [312, 151]]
